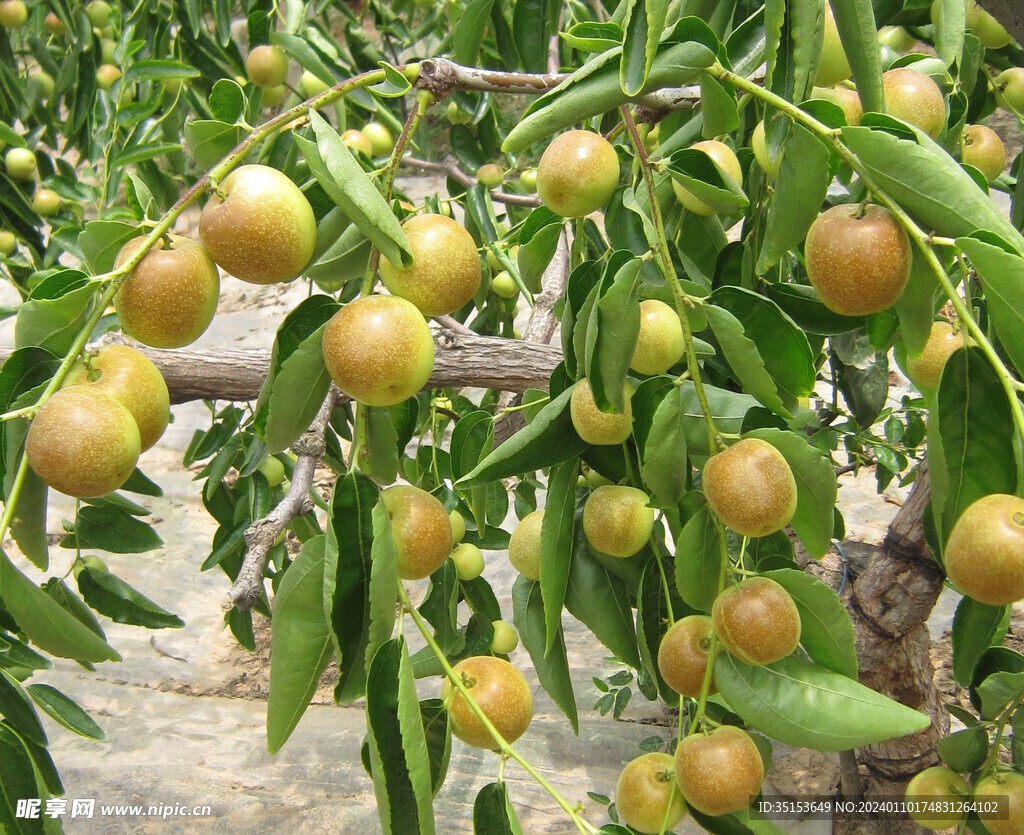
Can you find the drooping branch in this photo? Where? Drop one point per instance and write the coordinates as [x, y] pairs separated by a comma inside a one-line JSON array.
[[449, 166]]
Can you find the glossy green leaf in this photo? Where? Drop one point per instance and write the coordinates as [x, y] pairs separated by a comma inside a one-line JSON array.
[[966, 750], [826, 631], [652, 618], [101, 240], [62, 709], [998, 690], [552, 667], [744, 358], [706, 180], [538, 240], [815, 489], [111, 528], [113, 597], [1002, 276], [950, 25], [439, 606], [974, 626], [301, 646], [438, 735], [699, 561], [665, 468], [54, 313], [808, 706], [642, 25], [728, 409], [718, 104], [469, 30], [28, 527], [399, 762], [210, 140], [611, 335], [493, 813], [801, 303], [556, 540], [855, 20], [344, 259], [916, 305], [17, 710], [17, 781]]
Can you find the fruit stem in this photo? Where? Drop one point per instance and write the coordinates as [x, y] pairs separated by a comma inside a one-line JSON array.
[[664, 259], [919, 236], [993, 757], [506, 750]]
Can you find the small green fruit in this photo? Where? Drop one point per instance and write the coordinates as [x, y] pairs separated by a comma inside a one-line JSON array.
[[1008, 784], [46, 202], [990, 31], [617, 520], [20, 164], [99, 13], [106, 75], [469, 561], [832, 66], [267, 66], [926, 369], [273, 96], [54, 25], [107, 47], [311, 85], [528, 180], [577, 173], [505, 639], [1010, 84], [490, 175], [660, 344], [896, 37], [272, 469], [380, 138], [456, 115], [8, 243], [504, 286], [524, 545], [458, 526]]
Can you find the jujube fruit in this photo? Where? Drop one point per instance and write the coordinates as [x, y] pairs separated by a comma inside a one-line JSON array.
[[1010, 87], [99, 12], [106, 75], [524, 545], [984, 556], [264, 230], [750, 487], [1009, 784], [577, 173], [593, 425], [913, 97], [54, 25], [20, 163], [722, 155], [720, 772], [504, 286], [380, 138], [469, 561], [617, 520], [990, 31], [759, 146], [647, 794], [46, 202], [505, 639], [312, 85], [267, 66], [83, 443], [659, 344], [13, 14], [833, 65], [984, 150], [757, 621], [501, 693], [357, 141], [937, 783], [8, 243], [490, 175], [683, 655], [458, 526], [378, 350], [446, 267], [272, 470], [926, 369], [421, 528], [857, 259], [170, 298]]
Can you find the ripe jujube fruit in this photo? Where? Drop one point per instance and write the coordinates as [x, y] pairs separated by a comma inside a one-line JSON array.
[[913, 97], [757, 621], [926, 369], [170, 298], [937, 783], [725, 159], [751, 487], [577, 173], [720, 772], [857, 258], [524, 545], [267, 66], [647, 794], [83, 443], [984, 556], [1009, 784], [617, 520], [421, 528], [593, 425], [263, 231], [659, 344], [132, 379], [446, 267], [683, 655], [378, 350], [500, 691], [984, 150]]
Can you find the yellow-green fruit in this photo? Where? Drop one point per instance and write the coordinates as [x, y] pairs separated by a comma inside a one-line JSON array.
[[273, 96], [20, 164], [719, 772], [577, 173], [357, 141], [660, 344], [83, 443], [896, 37], [504, 286], [13, 14], [913, 97], [311, 85], [456, 115], [421, 528], [378, 350], [505, 639], [593, 425], [1010, 84], [99, 13], [857, 259], [500, 691], [132, 379], [725, 159], [846, 99], [1008, 784], [990, 31], [617, 520], [107, 47], [458, 526], [936, 785], [267, 66], [832, 66], [490, 175], [683, 655], [984, 556], [106, 75], [446, 267], [750, 487], [469, 562], [170, 298], [380, 138], [46, 202], [528, 180], [760, 147], [54, 25], [647, 796], [524, 545], [264, 230], [984, 150], [652, 139], [43, 81], [273, 471], [8, 243], [757, 621], [926, 369]]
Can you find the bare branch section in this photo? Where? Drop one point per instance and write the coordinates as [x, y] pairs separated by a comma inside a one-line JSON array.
[[261, 534], [449, 166]]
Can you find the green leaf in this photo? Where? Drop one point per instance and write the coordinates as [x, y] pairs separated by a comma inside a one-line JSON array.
[[808, 706], [210, 140], [17, 781], [538, 240], [493, 813], [976, 426], [54, 313], [17, 710], [826, 631], [378, 440], [113, 597], [399, 762], [28, 527], [552, 667], [718, 105], [705, 179], [802, 304], [345, 182], [62, 709], [744, 359], [916, 305], [301, 646], [556, 538], [665, 467], [468, 33], [438, 734], [546, 440], [652, 617], [966, 750], [998, 691], [101, 240], [699, 561], [1002, 275], [974, 626], [45, 622], [111, 528], [439, 606], [814, 519], [855, 20], [950, 25], [643, 23], [611, 335]]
